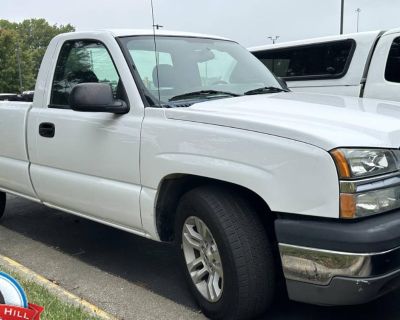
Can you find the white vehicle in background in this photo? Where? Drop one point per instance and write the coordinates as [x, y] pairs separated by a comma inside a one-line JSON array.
[[365, 64], [7, 96], [24, 96]]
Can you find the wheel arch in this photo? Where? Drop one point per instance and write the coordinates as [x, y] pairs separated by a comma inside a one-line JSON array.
[[174, 186]]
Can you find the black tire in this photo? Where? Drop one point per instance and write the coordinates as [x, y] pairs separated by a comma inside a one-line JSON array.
[[3, 200], [245, 250]]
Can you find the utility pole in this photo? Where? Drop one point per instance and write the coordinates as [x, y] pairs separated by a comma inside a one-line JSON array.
[[19, 67], [358, 10], [341, 16], [274, 39]]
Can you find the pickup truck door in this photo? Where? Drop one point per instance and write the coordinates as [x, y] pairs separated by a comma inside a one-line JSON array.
[[87, 163], [383, 80]]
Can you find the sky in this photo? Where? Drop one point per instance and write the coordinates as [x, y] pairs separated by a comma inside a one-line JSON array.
[[249, 22]]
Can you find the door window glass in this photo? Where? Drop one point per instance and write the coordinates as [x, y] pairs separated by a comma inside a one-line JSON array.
[[81, 62]]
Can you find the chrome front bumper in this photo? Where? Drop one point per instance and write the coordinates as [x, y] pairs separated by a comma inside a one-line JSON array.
[[335, 262], [318, 266]]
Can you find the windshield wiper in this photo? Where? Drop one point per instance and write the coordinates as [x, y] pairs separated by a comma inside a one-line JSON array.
[[203, 93], [265, 90]]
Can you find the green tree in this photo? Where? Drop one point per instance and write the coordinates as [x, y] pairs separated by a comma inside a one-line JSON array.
[[32, 37], [9, 76]]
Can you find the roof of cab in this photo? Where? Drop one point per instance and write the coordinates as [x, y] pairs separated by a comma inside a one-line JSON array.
[[146, 32], [355, 36], [135, 32], [391, 31]]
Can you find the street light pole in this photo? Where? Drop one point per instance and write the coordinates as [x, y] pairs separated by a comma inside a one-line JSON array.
[[274, 39], [358, 10], [341, 16]]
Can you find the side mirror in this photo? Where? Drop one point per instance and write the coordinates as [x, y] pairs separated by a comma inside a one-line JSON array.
[[283, 83], [95, 97]]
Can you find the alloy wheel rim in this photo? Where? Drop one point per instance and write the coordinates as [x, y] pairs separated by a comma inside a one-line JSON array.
[[202, 258]]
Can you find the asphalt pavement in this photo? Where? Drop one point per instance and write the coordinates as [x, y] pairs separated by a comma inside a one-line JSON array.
[[126, 275]]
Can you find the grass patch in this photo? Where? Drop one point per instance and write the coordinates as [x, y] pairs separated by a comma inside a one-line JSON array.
[[54, 308]]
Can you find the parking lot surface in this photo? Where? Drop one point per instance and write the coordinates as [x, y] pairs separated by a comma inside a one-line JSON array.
[[126, 275]]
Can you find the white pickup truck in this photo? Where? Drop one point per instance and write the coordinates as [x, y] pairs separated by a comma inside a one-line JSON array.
[[365, 64], [197, 143]]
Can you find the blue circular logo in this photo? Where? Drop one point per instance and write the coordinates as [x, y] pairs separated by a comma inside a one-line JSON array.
[[11, 292]]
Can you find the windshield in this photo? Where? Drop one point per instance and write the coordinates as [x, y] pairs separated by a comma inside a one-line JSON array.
[[195, 67]]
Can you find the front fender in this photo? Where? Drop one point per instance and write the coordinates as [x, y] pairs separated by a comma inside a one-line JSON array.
[[291, 176]]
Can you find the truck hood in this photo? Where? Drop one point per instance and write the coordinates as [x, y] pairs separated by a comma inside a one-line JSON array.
[[326, 121]]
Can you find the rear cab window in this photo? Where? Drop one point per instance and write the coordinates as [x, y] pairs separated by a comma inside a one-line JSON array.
[[392, 70], [329, 60]]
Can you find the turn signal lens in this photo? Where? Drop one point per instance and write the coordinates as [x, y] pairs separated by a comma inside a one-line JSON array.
[[348, 207], [341, 163]]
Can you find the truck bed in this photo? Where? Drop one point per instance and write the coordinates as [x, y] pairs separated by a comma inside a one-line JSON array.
[[14, 160]]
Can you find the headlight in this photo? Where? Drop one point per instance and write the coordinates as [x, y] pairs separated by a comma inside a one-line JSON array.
[[361, 163], [362, 204], [369, 181]]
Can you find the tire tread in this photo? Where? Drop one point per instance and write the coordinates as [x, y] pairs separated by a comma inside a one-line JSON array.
[[250, 248]]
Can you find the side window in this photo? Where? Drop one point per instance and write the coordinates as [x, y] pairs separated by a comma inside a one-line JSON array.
[[80, 62], [145, 62], [392, 70], [323, 60]]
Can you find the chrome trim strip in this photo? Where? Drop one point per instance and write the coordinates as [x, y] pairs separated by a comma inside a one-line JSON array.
[[319, 266], [338, 252], [369, 184], [377, 178]]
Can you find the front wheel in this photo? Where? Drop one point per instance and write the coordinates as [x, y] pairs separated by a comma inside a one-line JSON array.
[[226, 254]]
